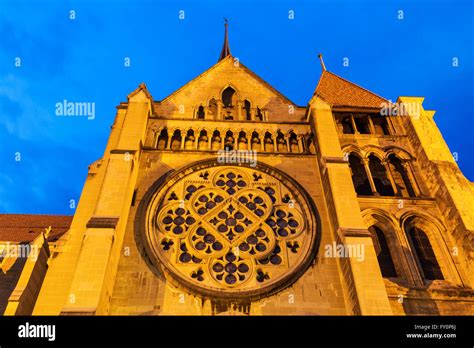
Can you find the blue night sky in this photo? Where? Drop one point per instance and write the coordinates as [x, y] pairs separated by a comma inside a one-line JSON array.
[[83, 60]]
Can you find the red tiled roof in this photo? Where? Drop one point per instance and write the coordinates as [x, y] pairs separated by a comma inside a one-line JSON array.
[[25, 227], [339, 92]]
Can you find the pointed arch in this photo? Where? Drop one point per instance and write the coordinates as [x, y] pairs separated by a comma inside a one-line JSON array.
[[424, 233], [360, 177]]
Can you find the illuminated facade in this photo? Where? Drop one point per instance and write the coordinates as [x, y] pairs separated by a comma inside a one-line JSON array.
[[345, 209]]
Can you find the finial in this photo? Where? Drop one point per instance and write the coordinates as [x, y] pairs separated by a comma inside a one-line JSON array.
[[320, 56], [47, 231], [225, 48]]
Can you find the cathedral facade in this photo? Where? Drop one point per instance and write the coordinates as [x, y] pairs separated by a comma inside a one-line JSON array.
[[227, 198]]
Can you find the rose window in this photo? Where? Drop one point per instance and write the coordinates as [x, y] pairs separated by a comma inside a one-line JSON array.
[[230, 231]]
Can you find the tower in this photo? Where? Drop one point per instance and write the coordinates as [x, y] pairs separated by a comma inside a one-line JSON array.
[[226, 197]]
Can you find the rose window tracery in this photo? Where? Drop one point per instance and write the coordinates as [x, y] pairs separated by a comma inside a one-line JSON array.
[[230, 231]]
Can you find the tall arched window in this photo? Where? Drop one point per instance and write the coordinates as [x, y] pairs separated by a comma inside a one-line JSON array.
[[359, 176], [400, 176], [247, 110], [425, 254], [229, 97], [212, 109], [384, 256], [200, 113], [379, 175]]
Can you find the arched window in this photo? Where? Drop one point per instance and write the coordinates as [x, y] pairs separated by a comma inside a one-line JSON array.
[[259, 115], [162, 139], [229, 97], [247, 107], [229, 141], [294, 143], [202, 141], [216, 140], [384, 256], [200, 113], [379, 175], [424, 252], [176, 140], [400, 176], [242, 141], [212, 109], [268, 142], [189, 140], [359, 176], [281, 143], [255, 141]]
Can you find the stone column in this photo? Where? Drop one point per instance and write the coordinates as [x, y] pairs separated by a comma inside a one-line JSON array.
[[236, 141], [219, 109], [287, 140], [390, 176], [196, 141], [209, 141], [371, 125], [183, 138], [275, 146], [300, 143], [354, 125], [411, 177], [365, 161], [170, 137]]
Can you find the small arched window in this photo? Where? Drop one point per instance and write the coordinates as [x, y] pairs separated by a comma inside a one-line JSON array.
[[162, 140], [229, 97], [200, 113]]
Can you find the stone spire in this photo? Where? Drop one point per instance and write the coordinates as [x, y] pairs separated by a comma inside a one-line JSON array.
[[225, 48]]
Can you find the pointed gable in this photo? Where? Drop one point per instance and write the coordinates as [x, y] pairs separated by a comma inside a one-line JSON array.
[[210, 85], [342, 93]]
